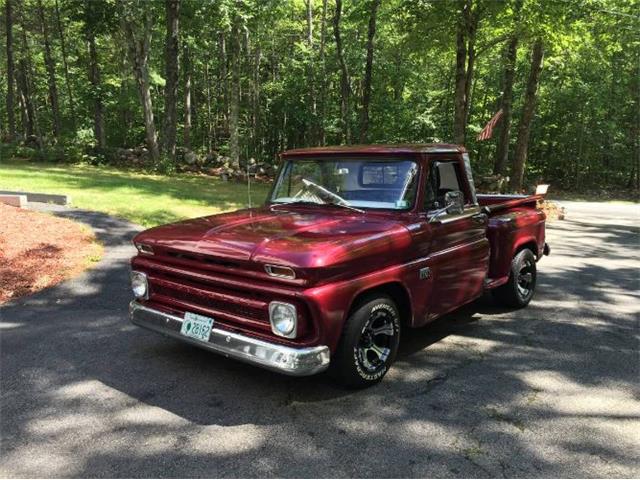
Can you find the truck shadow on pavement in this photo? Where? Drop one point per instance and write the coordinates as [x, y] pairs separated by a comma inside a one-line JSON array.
[[483, 380]]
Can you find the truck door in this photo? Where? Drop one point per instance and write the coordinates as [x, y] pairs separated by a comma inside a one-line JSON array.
[[458, 251]]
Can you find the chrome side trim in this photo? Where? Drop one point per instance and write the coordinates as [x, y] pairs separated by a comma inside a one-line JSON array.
[[279, 358]]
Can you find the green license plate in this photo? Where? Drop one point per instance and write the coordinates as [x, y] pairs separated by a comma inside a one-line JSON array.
[[196, 326]]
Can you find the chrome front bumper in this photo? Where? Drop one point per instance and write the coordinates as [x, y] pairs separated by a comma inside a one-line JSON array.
[[279, 358]]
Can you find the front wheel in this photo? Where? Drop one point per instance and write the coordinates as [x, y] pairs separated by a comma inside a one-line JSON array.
[[519, 290], [369, 343]]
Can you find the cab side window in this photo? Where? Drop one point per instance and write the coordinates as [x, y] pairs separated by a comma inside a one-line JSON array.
[[444, 177]]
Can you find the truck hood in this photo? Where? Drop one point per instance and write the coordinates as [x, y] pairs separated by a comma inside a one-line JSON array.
[[300, 238]]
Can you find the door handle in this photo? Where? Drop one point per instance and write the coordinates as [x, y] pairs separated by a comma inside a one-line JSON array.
[[480, 218]]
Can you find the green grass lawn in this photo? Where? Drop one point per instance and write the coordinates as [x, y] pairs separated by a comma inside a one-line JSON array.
[[142, 198]]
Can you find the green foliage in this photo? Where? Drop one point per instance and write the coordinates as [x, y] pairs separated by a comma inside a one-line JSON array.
[[585, 132]]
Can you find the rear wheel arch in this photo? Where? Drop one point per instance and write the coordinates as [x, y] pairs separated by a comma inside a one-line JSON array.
[[529, 244]]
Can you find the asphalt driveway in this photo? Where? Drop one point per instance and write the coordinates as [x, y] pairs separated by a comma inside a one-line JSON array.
[[548, 391]]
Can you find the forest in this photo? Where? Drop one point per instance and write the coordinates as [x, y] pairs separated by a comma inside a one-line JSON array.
[[178, 84]]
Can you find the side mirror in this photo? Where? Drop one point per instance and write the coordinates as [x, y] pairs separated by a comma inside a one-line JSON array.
[[454, 202], [454, 205]]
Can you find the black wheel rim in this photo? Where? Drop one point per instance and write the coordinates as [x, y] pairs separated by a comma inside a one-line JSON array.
[[376, 340], [526, 278]]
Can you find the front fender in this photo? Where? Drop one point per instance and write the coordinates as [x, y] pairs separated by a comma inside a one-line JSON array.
[[330, 304]]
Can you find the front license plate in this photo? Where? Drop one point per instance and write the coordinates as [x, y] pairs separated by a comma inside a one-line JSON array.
[[196, 326]]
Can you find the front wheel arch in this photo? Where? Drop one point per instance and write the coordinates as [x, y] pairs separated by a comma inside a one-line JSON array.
[[369, 342], [395, 290]]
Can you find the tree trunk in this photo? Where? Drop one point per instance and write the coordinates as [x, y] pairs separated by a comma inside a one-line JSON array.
[[366, 87], [10, 72], [472, 28], [28, 91], [94, 79], [25, 100], [224, 81], [51, 73], [139, 53], [323, 80], [461, 74], [309, 5], [172, 8], [65, 63], [524, 128], [234, 100], [255, 101], [186, 132], [345, 89], [502, 156], [207, 82], [313, 102]]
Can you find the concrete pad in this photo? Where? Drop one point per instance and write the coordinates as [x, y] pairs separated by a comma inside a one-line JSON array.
[[19, 201], [41, 197]]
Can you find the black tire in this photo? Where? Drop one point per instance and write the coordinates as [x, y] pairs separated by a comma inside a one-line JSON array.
[[519, 290], [363, 357]]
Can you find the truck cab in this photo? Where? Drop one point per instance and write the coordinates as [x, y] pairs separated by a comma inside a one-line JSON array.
[[353, 247]]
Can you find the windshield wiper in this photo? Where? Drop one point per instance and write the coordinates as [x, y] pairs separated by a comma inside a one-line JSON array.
[[345, 205], [296, 202], [309, 202]]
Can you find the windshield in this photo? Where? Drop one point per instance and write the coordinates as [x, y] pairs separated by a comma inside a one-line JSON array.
[[360, 183]]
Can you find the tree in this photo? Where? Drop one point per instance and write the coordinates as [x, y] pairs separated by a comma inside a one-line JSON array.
[[138, 32], [51, 73], [172, 8], [186, 133], [524, 128], [366, 88], [345, 89], [465, 60], [94, 79], [65, 63], [10, 72], [29, 98], [502, 154], [323, 70], [234, 100], [97, 20]]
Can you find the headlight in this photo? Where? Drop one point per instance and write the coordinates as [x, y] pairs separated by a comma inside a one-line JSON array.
[[139, 285], [284, 319]]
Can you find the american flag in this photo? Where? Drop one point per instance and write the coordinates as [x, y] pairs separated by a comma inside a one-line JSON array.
[[487, 131]]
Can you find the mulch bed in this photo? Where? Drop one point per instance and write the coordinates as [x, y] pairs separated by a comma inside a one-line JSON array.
[[38, 250]]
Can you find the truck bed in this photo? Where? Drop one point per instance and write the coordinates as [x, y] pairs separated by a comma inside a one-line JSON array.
[[515, 223], [493, 203]]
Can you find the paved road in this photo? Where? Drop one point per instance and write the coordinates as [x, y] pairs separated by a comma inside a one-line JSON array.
[[549, 391]]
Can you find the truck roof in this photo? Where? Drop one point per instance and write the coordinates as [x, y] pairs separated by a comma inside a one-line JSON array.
[[379, 149]]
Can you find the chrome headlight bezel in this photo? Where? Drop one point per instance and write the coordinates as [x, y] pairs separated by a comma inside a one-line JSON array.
[[144, 248], [140, 285], [279, 308]]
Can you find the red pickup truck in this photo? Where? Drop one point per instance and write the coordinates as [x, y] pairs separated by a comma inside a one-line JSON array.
[[353, 247]]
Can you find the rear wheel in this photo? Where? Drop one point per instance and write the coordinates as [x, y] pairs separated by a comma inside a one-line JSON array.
[[519, 290], [369, 343]]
